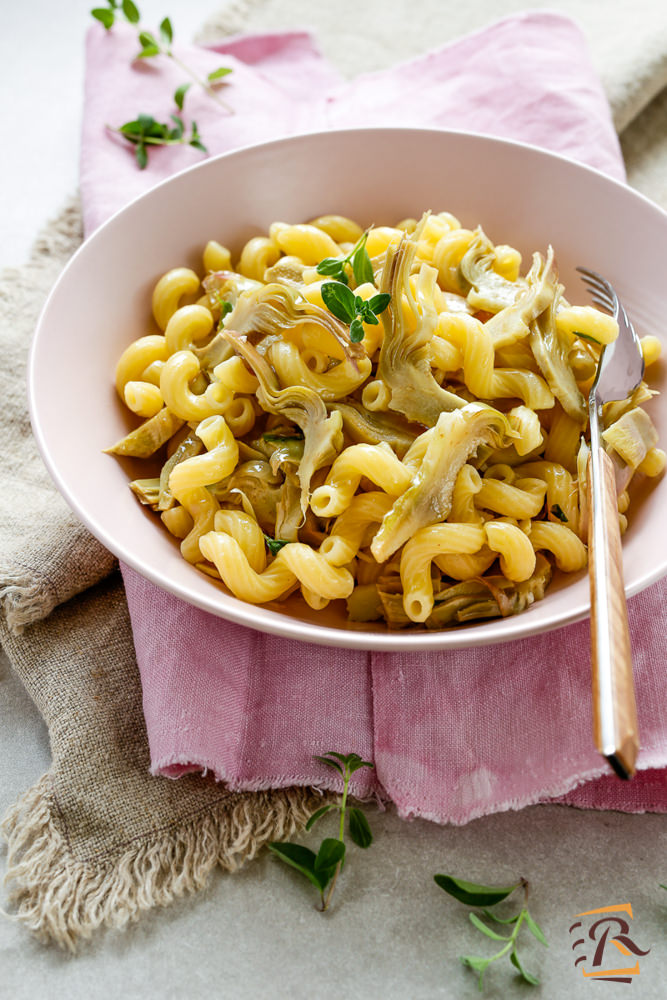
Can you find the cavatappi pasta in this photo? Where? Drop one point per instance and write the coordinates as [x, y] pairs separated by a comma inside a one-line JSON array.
[[427, 467]]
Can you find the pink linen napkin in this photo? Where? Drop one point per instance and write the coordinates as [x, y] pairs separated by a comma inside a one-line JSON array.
[[453, 735]]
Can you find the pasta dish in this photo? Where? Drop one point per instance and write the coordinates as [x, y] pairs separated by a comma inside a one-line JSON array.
[[395, 418]]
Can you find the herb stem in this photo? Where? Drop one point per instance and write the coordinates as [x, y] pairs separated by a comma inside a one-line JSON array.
[[199, 80], [341, 836]]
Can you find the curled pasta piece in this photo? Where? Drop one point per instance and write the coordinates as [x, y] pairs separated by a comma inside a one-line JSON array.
[[258, 254], [216, 257], [309, 243], [567, 548], [419, 552], [220, 459], [517, 556], [339, 228], [247, 533], [375, 461], [170, 289], [177, 521], [175, 378], [137, 357], [349, 529], [143, 398], [295, 562], [587, 321], [202, 507], [186, 327], [521, 499], [479, 373]]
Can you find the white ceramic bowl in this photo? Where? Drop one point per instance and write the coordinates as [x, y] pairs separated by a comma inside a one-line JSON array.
[[519, 194]]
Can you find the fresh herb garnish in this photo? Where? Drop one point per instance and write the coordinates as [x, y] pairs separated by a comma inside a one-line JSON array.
[[357, 259], [145, 131], [558, 512], [350, 308], [274, 545], [150, 47], [483, 896], [322, 868]]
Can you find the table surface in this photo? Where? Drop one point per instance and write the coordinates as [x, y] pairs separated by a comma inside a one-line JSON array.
[[392, 932]]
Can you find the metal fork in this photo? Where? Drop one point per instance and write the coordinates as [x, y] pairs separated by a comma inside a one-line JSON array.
[[620, 370]]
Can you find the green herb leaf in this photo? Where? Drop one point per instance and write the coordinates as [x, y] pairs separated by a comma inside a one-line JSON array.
[[339, 300], [535, 928], [131, 12], [361, 263], [333, 267], [319, 814], [357, 763], [558, 512], [179, 95], [166, 31], [148, 51], [217, 74], [360, 831], [330, 854], [356, 330], [330, 763], [274, 545], [492, 916], [471, 893], [198, 144], [146, 38], [378, 303], [485, 929], [478, 964], [528, 976], [299, 857], [141, 156], [225, 307], [104, 15]]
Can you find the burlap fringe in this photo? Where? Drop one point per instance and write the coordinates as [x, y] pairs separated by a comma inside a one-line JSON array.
[[64, 900], [24, 599]]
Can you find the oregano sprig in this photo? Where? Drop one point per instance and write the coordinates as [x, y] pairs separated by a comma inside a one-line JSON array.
[[483, 896], [350, 308], [322, 868], [152, 45], [145, 131], [357, 259]]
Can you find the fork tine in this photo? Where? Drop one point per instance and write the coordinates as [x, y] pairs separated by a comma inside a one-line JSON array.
[[604, 303], [602, 293]]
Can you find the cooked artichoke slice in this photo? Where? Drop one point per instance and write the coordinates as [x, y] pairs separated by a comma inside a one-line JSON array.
[[551, 350], [403, 364], [452, 441], [323, 434]]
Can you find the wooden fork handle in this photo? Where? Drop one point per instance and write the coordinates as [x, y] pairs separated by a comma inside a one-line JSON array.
[[615, 729]]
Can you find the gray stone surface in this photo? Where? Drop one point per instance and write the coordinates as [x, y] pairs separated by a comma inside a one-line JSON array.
[[391, 932]]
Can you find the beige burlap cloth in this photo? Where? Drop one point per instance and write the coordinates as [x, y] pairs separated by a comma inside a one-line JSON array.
[[97, 839]]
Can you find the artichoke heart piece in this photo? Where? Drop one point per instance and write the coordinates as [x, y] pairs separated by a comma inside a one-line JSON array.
[[453, 440], [488, 289], [366, 427], [274, 308], [512, 322], [489, 597], [149, 437], [551, 350], [404, 364], [631, 436], [323, 434]]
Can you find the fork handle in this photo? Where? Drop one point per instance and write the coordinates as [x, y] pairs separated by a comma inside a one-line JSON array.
[[615, 729]]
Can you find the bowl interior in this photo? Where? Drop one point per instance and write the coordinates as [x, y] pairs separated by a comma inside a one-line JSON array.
[[518, 194]]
